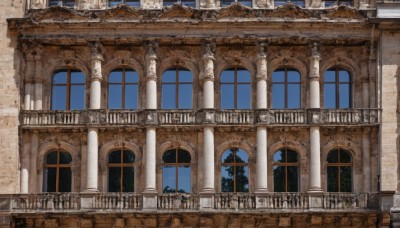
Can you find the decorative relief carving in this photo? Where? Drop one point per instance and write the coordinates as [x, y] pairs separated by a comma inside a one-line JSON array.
[[67, 58], [122, 11], [314, 61], [236, 10], [262, 63], [345, 12], [289, 10], [208, 59], [177, 11], [151, 70]]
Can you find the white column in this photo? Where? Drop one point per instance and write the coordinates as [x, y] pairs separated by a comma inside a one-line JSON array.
[[151, 76], [150, 165], [92, 160], [262, 160], [38, 95], [366, 160], [208, 85], [208, 162], [27, 97], [33, 163], [96, 77], [315, 153], [25, 163]]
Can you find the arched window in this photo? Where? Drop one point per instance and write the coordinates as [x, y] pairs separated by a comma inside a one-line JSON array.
[[235, 171], [57, 172], [337, 88], [286, 89], [68, 90], [177, 89], [235, 89], [121, 171], [286, 170], [123, 89], [339, 171], [176, 171]]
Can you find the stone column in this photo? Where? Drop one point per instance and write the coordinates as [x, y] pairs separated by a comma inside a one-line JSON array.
[[366, 160], [27, 97], [38, 95], [25, 164], [262, 161], [150, 191], [92, 136], [315, 153], [33, 180], [206, 196]]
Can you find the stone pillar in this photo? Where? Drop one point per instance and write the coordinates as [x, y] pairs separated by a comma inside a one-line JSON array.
[[25, 164], [150, 191], [366, 160], [38, 95], [33, 180], [315, 189], [92, 135], [206, 195], [27, 97], [262, 161]]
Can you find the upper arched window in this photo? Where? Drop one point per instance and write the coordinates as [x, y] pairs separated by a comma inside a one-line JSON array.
[[235, 88], [57, 172], [286, 170], [337, 88], [235, 171], [177, 89], [339, 171], [123, 89], [121, 171], [67, 3], [133, 3], [68, 90], [176, 172], [286, 89]]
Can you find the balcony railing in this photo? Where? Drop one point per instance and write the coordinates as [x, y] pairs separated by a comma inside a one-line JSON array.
[[125, 202], [271, 117]]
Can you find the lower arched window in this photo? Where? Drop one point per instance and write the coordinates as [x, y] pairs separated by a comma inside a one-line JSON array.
[[121, 171], [235, 171], [176, 171], [286, 170], [57, 172], [339, 171]]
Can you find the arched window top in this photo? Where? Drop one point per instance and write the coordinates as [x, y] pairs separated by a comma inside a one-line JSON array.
[[65, 76], [286, 75], [286, 88], [235, 74], [57, 175], [337, 74], [285, 155], [337, 88], [58, 157], [176, 156], [177, 74], [339, 156], [68, 90], [235, 156], [121, 157], [123, 75], [235, 88]]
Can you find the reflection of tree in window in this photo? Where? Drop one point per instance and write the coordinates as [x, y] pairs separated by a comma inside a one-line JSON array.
[[57, 172], [286, 171], [235, 171], [176, 171], [286, 89], [68, 90], [337, 88], [177, 89], [121, 171], [339, 173], [123, 89], [235, 88]]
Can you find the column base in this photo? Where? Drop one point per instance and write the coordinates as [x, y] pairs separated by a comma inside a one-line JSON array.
[[261, 198], [90, 190], [207, 199], [150, 197], [87, 200], [315, 200]]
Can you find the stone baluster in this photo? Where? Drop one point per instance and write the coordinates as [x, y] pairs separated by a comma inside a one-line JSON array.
[[208, 132], [95, 97], [315, 153], [262, 162]]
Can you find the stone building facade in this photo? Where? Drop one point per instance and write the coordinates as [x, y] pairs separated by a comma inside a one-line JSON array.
[[317, 81]]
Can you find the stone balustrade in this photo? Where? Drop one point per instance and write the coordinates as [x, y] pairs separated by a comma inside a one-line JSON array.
[[177, 201], [267, 117], [273, 201]]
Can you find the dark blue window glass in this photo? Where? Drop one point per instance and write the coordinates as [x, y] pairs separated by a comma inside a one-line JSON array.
[[337, 89], [123, 89], [235, 89], [286, 89], [177, 89], [68, 90]]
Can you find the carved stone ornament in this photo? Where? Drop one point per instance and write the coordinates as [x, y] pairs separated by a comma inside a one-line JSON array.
[[264, 4], [57, 13], [95, 117], [289, 10], [208, 59], [151, 117], [151, 63], [67, 58], [122, 11], [236, 10], [345, 12], [262, 64], [209, 117], [314, 61], [266, 117], [177, 11]]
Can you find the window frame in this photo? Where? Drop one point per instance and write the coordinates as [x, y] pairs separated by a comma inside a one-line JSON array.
[[57, 166], [337, 84], [176, 165], [123, 83], [235, 165], [339, 165], [68, 86], [121, 165], [285, 83], [177, 83], [235, 84], [286, 165]]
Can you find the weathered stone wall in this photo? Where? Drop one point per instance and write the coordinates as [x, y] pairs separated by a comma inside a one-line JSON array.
[[9, 99]]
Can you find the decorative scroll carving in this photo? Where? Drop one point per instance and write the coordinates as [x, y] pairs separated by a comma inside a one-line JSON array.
[[236, 10], [262, 63], [345, 12], [177, 11], [122, 11], [96, 59], [151, 64], [289, 10], [67, 58], [314, 62], [208, 59]]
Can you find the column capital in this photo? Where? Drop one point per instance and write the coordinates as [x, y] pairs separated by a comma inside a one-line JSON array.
[[262, 72], [208, 59], [97, 50]]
